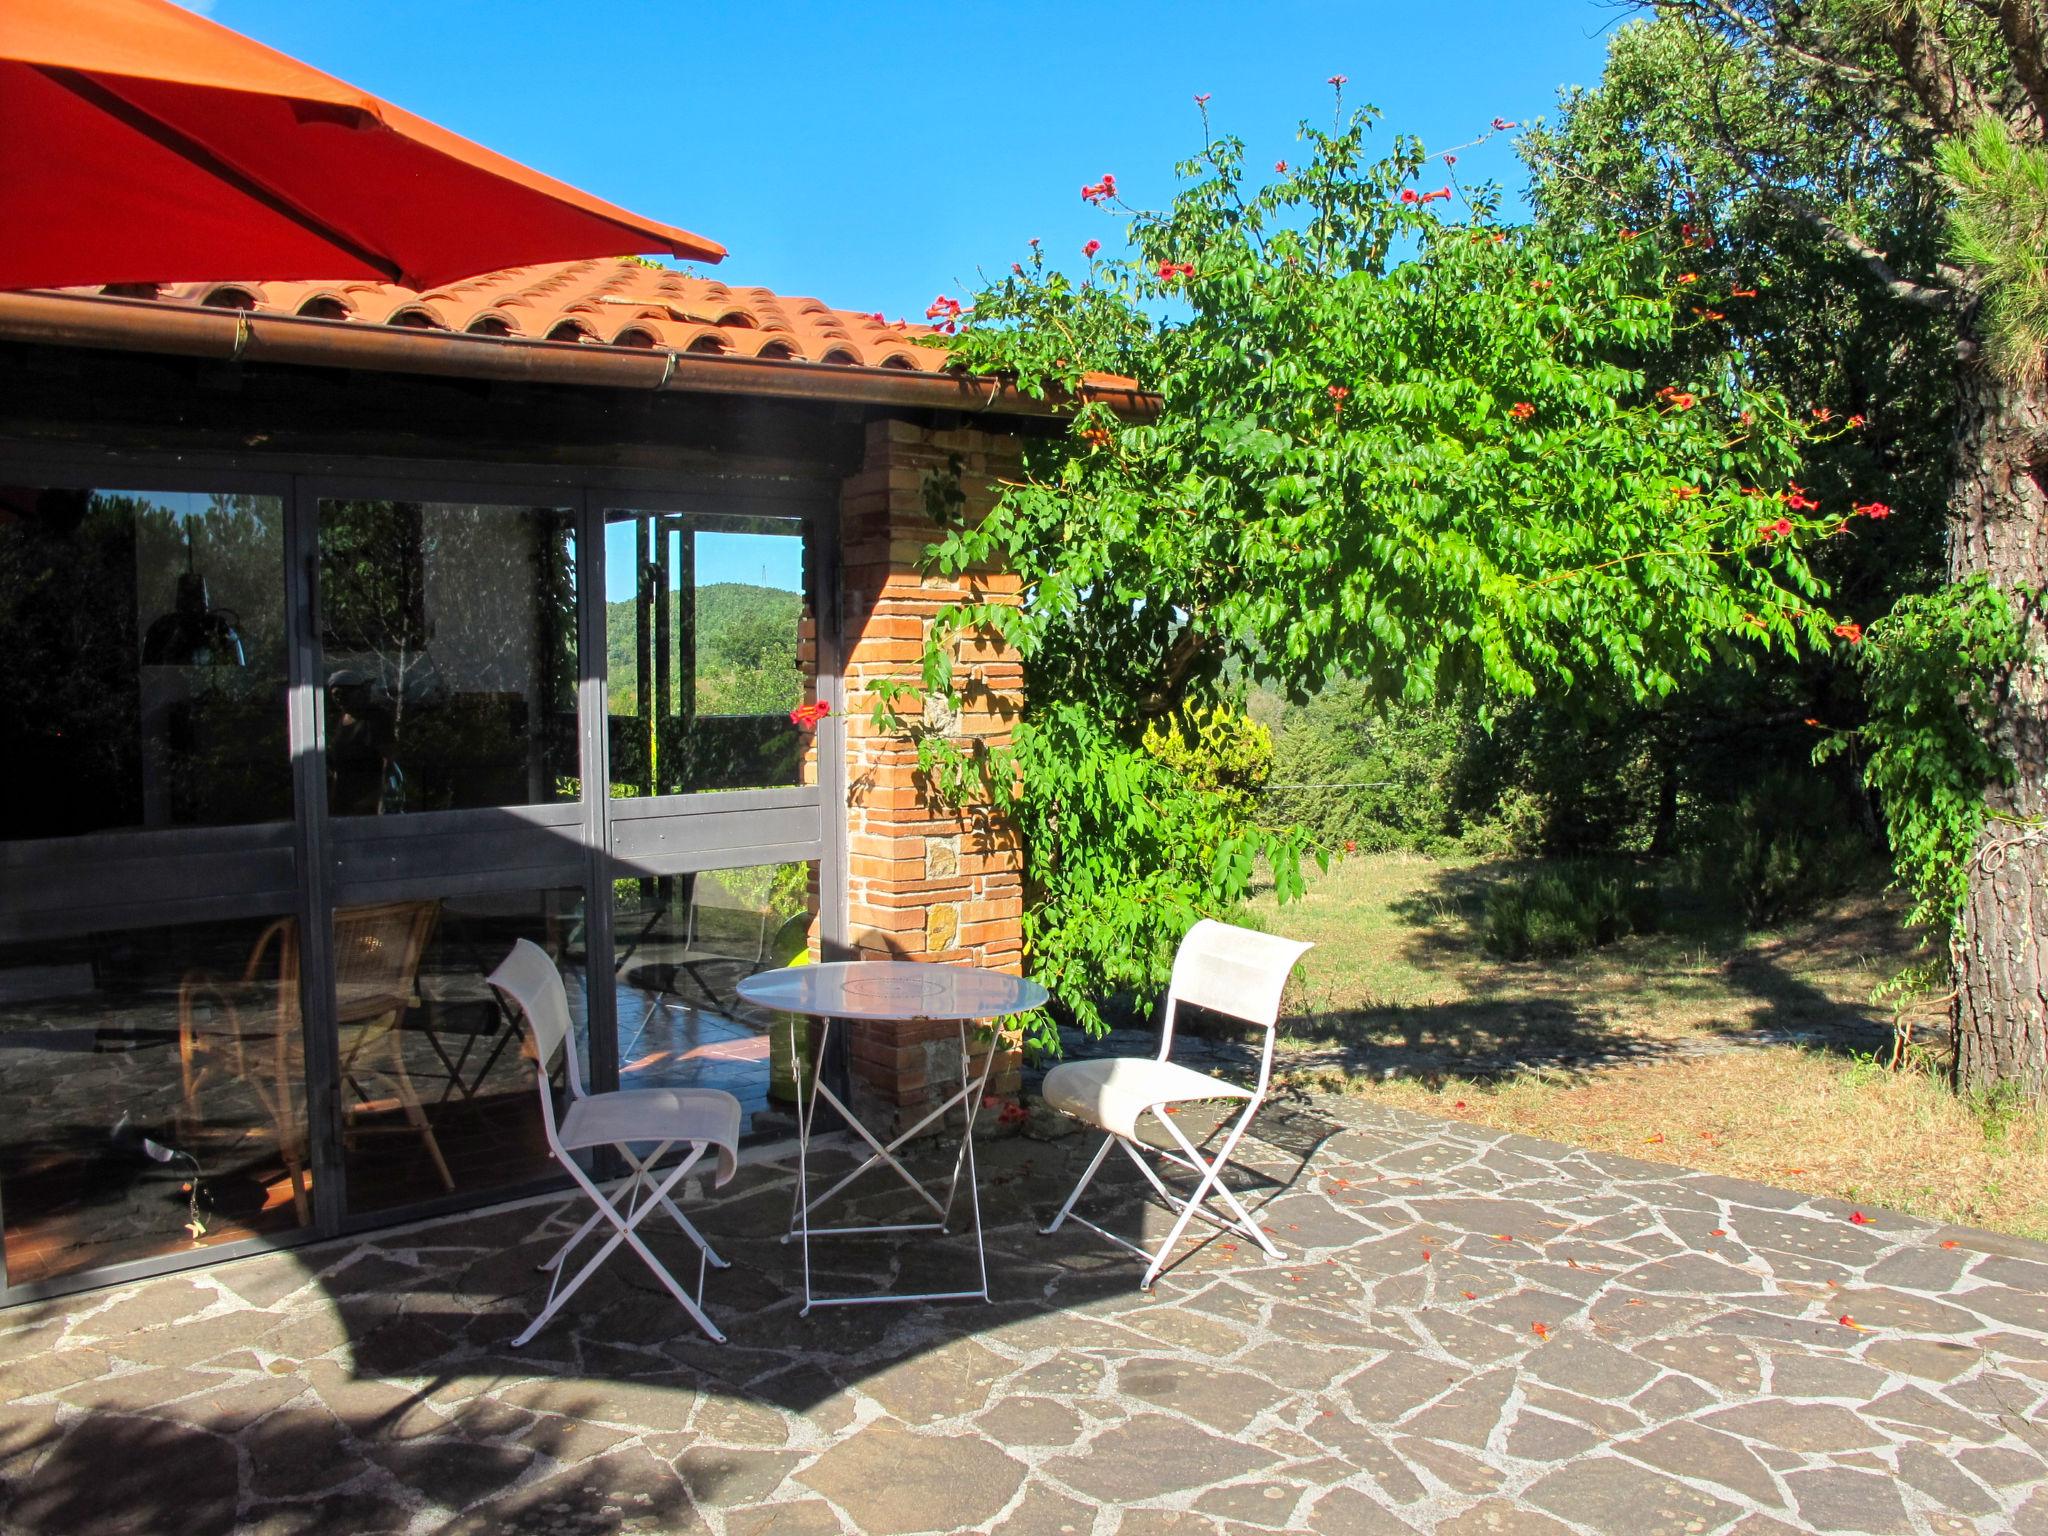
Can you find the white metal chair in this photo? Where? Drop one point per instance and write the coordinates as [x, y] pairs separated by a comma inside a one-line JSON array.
[[1233, 971], [701, 1118]]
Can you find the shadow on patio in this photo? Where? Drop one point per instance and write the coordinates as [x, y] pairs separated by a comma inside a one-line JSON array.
[[1388, 1375]]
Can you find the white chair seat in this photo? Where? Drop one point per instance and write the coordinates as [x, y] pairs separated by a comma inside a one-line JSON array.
[[657, 1114], [1112, 1093]]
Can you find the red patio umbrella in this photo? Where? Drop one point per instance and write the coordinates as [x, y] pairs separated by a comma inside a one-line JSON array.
[[141, 143]]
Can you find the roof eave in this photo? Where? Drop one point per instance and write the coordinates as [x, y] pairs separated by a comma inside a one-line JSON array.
[[142, 325]]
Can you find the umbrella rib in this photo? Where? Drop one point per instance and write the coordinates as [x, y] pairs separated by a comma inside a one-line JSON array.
[[117, 106]]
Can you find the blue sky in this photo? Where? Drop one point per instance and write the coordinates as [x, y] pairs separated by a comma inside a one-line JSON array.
[[875, 154], [765, 560]]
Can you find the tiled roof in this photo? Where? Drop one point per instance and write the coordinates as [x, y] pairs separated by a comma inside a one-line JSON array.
[[616, 302]]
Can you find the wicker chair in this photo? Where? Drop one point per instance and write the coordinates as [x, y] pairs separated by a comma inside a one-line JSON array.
[[377, 953]]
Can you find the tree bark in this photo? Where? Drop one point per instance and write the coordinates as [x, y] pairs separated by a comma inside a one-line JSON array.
[[1998, 523]]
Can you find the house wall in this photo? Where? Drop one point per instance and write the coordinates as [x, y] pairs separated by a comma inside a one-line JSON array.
[[927, 880]]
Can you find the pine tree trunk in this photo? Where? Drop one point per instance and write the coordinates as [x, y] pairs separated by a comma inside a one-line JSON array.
[[1998, 523]]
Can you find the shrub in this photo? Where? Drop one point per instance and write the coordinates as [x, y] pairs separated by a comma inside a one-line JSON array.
[[1515, 830], [1219, 751], [1353, 771], [1547, 914], [1786, 844]]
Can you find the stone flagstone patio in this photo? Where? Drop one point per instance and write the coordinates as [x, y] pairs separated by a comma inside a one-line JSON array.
[[1472, 1333]]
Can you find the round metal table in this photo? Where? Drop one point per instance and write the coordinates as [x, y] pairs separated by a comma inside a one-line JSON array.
[[883, 992]]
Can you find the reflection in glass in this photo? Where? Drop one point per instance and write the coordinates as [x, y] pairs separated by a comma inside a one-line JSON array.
[[704, 619], [448, 650], [681, 945], [142, 660], [147, 1104], [436, 1069]]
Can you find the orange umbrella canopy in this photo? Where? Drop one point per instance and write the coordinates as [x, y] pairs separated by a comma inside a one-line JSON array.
[[140, 143]]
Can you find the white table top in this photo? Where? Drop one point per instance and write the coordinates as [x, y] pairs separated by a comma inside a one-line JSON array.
[[892, 989]]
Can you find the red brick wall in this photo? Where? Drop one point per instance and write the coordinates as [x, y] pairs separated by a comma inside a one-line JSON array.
[[926, 880]]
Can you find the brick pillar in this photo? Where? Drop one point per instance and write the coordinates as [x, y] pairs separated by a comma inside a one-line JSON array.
[[926, 880]]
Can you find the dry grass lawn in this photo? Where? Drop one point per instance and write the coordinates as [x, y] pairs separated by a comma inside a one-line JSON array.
[[1753, 1054]]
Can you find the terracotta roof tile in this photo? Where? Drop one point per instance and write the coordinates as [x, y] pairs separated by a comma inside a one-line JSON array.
[[611, 302]]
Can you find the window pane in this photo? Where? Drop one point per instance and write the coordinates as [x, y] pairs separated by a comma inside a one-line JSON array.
[[705, 654], [151, 1094], [142, 660], [682, 944], [448, 650], [438, 1080]]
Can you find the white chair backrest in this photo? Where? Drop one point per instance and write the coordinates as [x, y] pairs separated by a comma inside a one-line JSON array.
[[1234, 971], [530, 979]]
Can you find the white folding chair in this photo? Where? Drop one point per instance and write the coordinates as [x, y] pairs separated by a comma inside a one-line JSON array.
[[1230, 970], [702, 1118]]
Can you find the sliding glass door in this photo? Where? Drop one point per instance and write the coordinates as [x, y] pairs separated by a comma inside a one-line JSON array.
[[148, 861], [295, 757], [714, 822], [445, 632]]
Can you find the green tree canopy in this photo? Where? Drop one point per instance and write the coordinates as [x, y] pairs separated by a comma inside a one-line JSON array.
[[1395, 439], [1879, 170]]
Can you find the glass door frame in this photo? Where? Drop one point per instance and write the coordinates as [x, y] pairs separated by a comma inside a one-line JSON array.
[[694, 833], [307, 866]]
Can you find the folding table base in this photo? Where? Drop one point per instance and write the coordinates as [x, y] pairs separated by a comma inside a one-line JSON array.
[[800, 1229]]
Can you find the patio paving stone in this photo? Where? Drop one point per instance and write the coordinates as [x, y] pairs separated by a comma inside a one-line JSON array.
[[1385, 1376]]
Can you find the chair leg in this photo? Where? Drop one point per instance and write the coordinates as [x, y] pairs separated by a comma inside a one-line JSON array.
[[619, 1191], [295, 1170], [625, 1230], [415, 1112], [1212, 1171], [1093, 1166], [1209, 1185], [642, 1175], [1244, 1222]]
